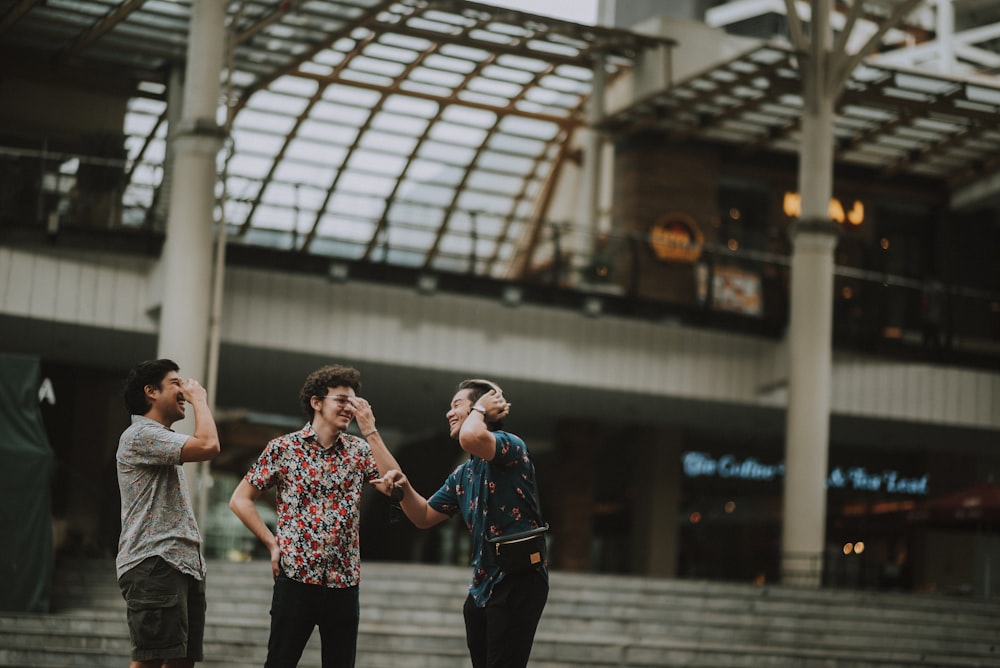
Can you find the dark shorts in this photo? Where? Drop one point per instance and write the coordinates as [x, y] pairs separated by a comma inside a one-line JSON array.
[[166, 611]]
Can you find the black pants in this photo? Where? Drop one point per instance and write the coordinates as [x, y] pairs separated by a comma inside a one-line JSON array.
[[500, 634], [297, 608]]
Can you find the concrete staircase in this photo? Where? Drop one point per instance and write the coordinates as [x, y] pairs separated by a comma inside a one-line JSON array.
[[411, 618]]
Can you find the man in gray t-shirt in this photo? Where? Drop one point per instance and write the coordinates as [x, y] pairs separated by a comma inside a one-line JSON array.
[[160, 567]]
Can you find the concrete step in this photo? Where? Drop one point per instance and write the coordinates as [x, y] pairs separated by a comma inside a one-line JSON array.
[[411, 618]]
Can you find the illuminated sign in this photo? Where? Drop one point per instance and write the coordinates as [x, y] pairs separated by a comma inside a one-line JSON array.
[[675, 236], [702, 465], [887, 481], [698, 464], [792, 206]]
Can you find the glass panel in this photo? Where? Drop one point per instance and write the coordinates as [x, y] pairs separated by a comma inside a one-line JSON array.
[[357, 205], [443, 63], [326, 132], [505, 163], [293, 85], [335, 248], [479, 201], [382, 68], [399, 125], [258, 142], [516, 145], [253, 119], [425, 193], [274, 102], [385, 144], [249, 166], [297, 172], [411, 237], [415, 214], [493, 182], [407, 106], [343, 227], [429, 171], [457, 134], [377, 163], [435, 77]]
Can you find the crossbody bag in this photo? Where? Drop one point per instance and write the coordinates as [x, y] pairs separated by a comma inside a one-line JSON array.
[[524, 550]]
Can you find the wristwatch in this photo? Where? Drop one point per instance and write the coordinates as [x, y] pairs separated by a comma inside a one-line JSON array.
[[479, 408]]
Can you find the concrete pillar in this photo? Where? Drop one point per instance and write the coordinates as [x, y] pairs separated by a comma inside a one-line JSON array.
[[810, 325], [586, 228], [576, 446], [175, 104], [186, 262], [656, 502], [946, 36]]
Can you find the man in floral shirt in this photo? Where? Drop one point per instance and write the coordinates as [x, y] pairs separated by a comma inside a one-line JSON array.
[[320, 472], [495, 493]]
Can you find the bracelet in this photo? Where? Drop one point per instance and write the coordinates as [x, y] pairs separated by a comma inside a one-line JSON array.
[[373, 431], [479, 408]]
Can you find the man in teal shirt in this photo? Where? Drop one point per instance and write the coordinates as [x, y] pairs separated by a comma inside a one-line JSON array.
[[495, 493]]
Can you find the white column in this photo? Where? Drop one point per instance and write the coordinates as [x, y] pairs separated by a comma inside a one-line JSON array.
[[810, 325], [585, 229], [946, 36], [186, 261]]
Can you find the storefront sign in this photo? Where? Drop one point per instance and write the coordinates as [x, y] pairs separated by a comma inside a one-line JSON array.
[[675, 236], [737, 290], [698, 464], [887, 481], [702, 465]]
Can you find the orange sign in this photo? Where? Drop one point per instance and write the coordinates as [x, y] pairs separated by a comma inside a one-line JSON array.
[[675, 236]]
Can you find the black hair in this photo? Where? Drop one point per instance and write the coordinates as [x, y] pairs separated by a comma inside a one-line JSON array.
[[478, 387], [142, 375]]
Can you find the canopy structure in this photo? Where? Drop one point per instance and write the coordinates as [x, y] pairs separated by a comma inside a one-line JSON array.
[[419, 133], [432, 133], [890, 120]]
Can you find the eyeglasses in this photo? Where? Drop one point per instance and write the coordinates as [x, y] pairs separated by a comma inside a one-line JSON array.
[[341, 399]]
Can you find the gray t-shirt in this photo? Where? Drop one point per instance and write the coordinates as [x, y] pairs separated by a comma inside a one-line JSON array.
[[157, 515]]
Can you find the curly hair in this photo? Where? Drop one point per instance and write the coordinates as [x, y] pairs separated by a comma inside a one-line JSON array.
[[320, 380], [143, 374]]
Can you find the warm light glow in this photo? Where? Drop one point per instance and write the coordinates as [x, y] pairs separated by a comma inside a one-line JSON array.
[[892, 506], [856, 215], [695, 517], [848, 547], [733, 244], [846, 292], [884, 243], [730, 506], [734, 213], [835, 210], [792, 206], [859, 547]]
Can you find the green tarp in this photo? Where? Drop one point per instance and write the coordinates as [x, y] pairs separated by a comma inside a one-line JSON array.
[[25, 492]]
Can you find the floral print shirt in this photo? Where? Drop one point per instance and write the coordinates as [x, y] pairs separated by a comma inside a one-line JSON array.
[[494, 498], [318, 503], [156, 511]]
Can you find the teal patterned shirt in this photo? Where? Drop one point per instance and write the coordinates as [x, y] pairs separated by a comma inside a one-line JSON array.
[[494, 498]]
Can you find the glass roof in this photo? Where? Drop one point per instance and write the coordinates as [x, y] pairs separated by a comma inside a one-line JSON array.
[[429, 133], [413, 132], [892, 121]]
